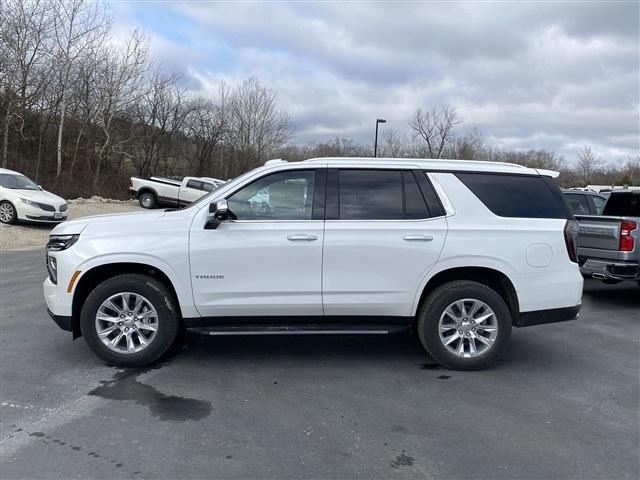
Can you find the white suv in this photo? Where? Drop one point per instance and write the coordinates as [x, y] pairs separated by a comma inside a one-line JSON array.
[[459, 250]]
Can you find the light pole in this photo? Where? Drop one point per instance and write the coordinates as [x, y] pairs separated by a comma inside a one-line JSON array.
[[375, 143]]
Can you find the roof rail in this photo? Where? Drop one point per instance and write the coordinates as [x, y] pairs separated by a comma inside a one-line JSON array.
[[275, 161]]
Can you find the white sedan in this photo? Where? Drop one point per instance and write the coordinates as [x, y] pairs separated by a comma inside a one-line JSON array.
[[22, 199]]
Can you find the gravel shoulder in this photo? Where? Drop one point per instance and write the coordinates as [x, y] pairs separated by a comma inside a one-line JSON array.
[[30, 236]]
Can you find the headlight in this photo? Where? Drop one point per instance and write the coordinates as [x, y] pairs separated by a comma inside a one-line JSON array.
[[52, 268], [30, 203], [57, 243]]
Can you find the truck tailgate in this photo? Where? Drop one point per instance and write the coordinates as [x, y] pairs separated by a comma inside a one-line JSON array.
[[599, 236]]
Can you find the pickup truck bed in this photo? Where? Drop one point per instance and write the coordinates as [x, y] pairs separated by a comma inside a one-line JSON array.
[[609, 245]]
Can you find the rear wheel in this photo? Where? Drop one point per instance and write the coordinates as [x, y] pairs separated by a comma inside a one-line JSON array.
[[130, 320], [8, 214], [464, 325], [148, 200]]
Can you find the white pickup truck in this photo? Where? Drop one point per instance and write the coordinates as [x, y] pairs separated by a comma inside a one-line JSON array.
[[163, 192]]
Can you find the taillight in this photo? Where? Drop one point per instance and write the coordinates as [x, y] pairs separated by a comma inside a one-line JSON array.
[[626, 239], [571, 231], [130, 184]]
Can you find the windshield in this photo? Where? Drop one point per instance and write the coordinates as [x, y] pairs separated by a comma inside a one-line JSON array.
[[17, 182]]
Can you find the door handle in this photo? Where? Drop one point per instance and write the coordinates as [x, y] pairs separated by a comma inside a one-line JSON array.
[[301, 237], [418, 238]]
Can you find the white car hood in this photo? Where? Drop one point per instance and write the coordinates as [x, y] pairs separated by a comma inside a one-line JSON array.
[[41, 196], [76, 226]]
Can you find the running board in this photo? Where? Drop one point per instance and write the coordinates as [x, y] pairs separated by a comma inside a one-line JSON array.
[[299, 329]]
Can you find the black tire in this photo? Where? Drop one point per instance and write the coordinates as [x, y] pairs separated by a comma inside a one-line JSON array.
[[148, 200], [161, 299], [433, 308], [10, 210]]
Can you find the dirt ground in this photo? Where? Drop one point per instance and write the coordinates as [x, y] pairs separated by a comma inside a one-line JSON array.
[[29, 236]]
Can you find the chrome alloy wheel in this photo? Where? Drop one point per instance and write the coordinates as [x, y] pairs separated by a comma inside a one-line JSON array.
[[126, 322], [6, 212], [468, 328]]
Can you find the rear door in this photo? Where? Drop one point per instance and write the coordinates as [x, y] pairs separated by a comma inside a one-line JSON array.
[[192, 191], [384, 230]]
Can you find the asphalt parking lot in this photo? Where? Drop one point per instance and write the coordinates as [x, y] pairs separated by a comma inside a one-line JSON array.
[[562, 403]]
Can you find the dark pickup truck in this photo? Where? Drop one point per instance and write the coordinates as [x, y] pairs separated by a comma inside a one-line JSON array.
[[609, 244]]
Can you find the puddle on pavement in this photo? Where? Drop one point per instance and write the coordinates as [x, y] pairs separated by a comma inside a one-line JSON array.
[[125, 386]]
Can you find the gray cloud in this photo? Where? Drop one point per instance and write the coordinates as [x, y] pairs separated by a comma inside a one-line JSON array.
[[551, 75]]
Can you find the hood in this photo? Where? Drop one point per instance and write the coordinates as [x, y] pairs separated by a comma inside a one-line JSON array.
[[40, 196], [119, 220]]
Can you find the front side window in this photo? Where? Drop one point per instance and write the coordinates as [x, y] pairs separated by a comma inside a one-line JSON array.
[[279, 196], [195, 184]]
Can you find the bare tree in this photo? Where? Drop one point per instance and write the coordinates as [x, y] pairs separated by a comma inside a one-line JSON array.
[[588, 161], [256, 127], [435, 128], [78, 26], [26, 28], [120, 79], [206, 130]]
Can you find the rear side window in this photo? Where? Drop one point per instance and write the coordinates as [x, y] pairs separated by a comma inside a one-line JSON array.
[[371, 195], [623, 205], [577, 203], [517, 195]]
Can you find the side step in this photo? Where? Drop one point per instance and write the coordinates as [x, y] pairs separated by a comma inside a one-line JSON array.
[[309, 329]]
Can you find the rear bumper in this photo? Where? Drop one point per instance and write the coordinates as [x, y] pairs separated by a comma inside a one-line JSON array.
[[610, 269], [540, 317]]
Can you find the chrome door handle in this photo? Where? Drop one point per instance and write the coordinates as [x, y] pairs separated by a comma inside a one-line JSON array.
[[418, 238], [299, 237]]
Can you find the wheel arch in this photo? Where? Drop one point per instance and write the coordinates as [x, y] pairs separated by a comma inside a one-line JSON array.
[[99, 273], [146, 190], [491, 277]]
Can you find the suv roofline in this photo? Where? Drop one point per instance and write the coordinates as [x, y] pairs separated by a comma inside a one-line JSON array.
[[438, 164]]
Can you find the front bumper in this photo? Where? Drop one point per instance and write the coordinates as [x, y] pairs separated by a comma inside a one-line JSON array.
[[63, 322], [610, 269], [540, 317]]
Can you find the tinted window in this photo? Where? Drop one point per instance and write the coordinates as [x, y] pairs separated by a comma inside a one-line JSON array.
[[195, 184], [371, 195], [415, 206], [598, 204], [623, 205], [279, 196], [516, 195], [577, 203]]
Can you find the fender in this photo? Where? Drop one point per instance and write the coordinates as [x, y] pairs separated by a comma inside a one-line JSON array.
[[461, 262], [182, 286]]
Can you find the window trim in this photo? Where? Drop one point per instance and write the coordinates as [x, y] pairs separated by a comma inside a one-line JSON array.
[[318, 195]]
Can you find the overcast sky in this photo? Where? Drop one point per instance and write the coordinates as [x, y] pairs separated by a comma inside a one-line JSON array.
[[554, 75]]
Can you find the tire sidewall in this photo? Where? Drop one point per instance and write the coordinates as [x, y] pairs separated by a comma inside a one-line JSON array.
[[435, 305], [161, 300], [14, 218], [152, 200]]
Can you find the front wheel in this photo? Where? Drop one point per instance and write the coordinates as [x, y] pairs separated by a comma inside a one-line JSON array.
[[8, 214], [464, 325], [129, 320]]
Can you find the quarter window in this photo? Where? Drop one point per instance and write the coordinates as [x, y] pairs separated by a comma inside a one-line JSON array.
[[577, 203], [279, 196], [519, 196]]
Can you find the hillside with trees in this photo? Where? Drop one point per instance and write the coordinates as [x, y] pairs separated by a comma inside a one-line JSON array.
[[80, 113]]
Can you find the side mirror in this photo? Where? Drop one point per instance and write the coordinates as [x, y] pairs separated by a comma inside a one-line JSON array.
[[218, 213]]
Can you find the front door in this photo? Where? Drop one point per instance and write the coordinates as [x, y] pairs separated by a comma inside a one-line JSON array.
[[267, 261]]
